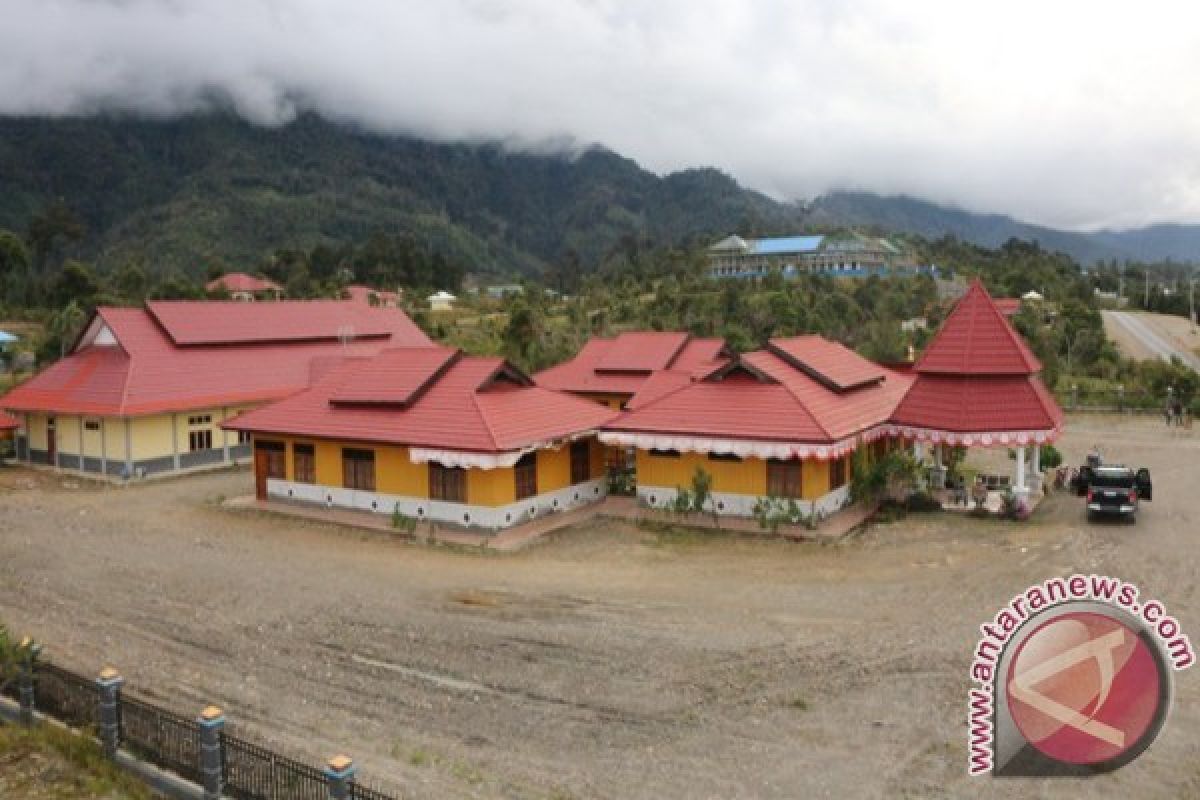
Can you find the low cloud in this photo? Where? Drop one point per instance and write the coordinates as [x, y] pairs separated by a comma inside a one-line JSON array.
[[1071, 114]]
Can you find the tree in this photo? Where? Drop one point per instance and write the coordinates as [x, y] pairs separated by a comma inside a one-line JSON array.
[[14, 269], [75, 284], [55, 224]]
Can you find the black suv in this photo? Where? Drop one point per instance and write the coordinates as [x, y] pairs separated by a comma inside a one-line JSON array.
[[1114, 489]]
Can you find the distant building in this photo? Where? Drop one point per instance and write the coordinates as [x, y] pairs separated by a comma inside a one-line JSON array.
[[504, 290], [844, 255], [245, 288], [441, 301]]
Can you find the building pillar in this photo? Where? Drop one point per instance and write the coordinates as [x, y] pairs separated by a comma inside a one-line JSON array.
[[1019, 487], [175, 441], [128, 450], [81, 469], [28, 440], [29, 652], [109, 682], [339, 773], [225, 433], [1035, 466], [212, 773]]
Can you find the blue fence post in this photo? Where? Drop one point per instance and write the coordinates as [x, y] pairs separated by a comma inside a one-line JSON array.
[[212, 772], [339, 772], [109, 683]]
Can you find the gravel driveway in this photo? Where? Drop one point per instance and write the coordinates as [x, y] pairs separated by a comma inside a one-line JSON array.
[[607, 662]]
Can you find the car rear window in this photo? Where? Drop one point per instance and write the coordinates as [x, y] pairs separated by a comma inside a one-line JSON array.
[[1112, 480]]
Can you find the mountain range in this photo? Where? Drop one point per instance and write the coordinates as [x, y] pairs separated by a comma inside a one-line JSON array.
[[194, 191]]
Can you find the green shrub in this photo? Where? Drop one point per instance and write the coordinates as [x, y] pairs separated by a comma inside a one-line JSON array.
[[403, 522], [1050, 457]]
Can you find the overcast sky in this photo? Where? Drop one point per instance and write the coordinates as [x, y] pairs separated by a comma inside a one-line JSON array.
[[1072, 114]]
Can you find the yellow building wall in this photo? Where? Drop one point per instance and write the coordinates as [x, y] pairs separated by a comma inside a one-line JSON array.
[[114, 438], [93, 441], [37, 431], [735, 477], [396, 474], [67, 434], [492, 487], [814, 476], [151, 437], [553, 469]]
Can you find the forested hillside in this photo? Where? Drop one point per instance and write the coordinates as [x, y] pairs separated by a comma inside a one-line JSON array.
[[185, 193]]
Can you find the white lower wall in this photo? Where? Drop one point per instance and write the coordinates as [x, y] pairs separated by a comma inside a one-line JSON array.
[[464, 514], [742, 505]]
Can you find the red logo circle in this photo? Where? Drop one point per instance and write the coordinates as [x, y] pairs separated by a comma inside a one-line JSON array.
[[1085, 688]]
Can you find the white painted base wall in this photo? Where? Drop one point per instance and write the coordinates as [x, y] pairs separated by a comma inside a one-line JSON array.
[[742, 505], [470, 516]]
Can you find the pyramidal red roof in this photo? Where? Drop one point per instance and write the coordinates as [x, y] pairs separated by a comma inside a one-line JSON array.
[[977, 339], [978, 376], [475, 404], [641, 352], [128, 363]]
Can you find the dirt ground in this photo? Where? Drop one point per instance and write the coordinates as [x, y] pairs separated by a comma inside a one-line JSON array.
[[609, 661]]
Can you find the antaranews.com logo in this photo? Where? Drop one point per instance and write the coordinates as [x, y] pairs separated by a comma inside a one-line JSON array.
[[1074, 676]]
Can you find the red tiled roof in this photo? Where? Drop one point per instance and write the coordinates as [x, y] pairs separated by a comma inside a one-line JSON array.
[[241, 282], [477, 405], [594, 369], [189, 323], [978, 404], [976, 339], [977, 375], [7, 423], [765, 397], [145, 372], [831, 363], [659, 384], [396, 377], [641, 352]]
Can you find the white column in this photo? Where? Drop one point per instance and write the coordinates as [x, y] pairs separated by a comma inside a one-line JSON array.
[[937, 456], [1036, 459], [919, 451], [1020, 487]]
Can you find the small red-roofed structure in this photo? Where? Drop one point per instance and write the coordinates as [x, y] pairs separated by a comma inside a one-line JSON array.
[[244, 288]]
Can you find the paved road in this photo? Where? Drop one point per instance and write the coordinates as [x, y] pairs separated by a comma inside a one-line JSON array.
[[1151, 340]]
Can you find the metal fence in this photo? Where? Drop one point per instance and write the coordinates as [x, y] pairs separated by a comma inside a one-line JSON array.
[[161, 737], [173, 742], [253, 772], [66, 696]]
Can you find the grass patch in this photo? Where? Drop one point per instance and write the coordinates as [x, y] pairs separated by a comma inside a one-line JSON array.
[[797, 703], [50, 763]]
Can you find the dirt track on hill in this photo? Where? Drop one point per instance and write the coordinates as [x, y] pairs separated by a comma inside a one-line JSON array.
[[606, 662]]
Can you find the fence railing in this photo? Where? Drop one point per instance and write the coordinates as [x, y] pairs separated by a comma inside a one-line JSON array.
[[199, 749], [253, 772], [1110, 400]]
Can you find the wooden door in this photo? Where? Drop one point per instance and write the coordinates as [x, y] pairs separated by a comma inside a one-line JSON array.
[[51, 444], [262, 469]]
